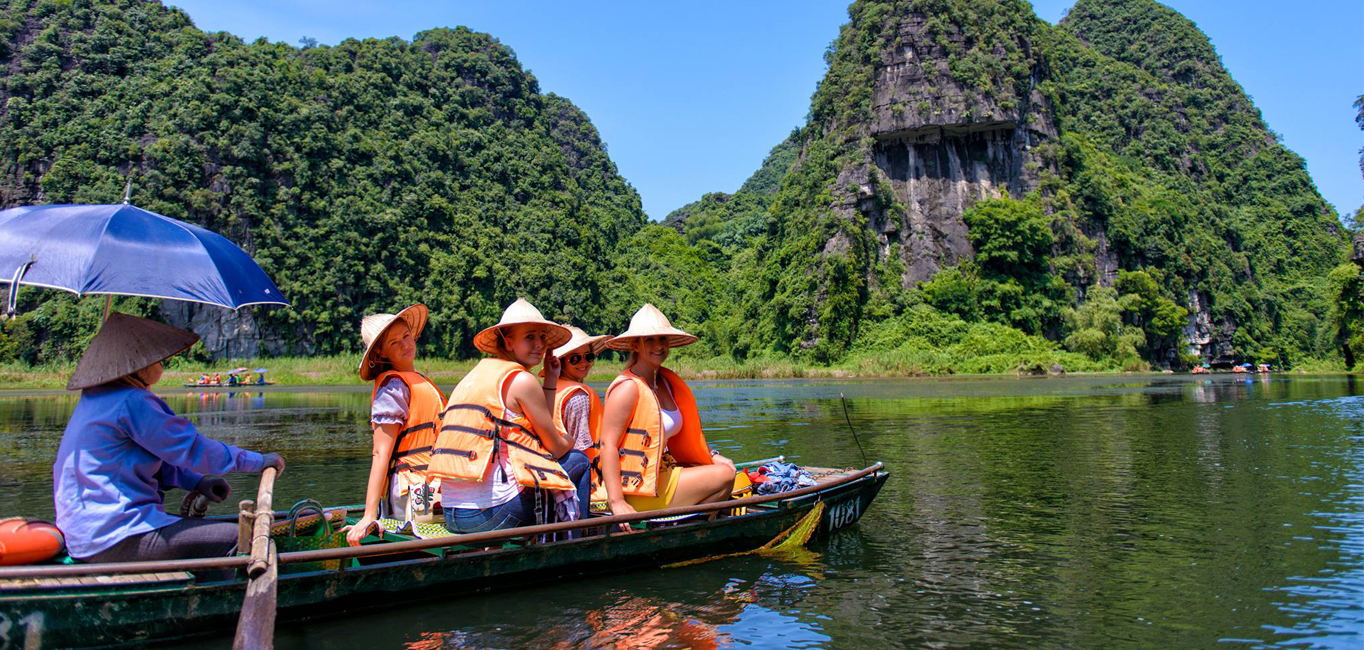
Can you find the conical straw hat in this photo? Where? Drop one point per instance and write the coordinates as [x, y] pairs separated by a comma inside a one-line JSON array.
[[581, 338], [372, 329], [649, 321], [124, 345], [521, 312]]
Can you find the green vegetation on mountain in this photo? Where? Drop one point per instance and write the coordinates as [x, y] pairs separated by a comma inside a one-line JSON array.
[[1163, 168], [362, 177], [1156, 206]]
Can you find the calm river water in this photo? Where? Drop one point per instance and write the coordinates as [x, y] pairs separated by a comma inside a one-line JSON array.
[[1139, 512]]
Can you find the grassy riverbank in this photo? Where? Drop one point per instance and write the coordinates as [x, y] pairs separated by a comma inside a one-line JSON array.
[[339, 370]]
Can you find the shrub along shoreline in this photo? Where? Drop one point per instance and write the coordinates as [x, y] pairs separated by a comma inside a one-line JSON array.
[[340, 370]]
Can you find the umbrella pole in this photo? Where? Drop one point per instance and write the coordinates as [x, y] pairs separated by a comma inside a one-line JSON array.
[[108, 302]]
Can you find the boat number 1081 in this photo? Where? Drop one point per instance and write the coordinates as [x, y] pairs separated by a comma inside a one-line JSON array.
[[845, 513]]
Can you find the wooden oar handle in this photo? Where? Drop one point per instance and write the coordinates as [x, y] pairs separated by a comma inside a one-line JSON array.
[[265, 517]]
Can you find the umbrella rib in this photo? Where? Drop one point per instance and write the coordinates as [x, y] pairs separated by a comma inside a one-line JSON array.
[[85, 277]]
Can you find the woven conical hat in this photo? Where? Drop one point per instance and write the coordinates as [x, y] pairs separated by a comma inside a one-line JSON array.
[[372, 329], [649, 321], [581, 338], [124, 345], [517, 313]]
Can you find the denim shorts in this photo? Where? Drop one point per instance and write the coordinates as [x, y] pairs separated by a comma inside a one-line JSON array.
[[517, 512]]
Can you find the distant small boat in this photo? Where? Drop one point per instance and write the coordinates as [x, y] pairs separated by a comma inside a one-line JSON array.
[[230, 386], [1262, 368], [1199, 370]]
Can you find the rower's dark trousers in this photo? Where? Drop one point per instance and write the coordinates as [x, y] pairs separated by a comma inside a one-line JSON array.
[[184, 539]]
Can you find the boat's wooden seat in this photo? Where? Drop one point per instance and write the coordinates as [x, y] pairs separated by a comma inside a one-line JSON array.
[[166, 578]]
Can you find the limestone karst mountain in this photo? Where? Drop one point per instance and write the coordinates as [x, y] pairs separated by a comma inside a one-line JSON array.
[[1119, 127]]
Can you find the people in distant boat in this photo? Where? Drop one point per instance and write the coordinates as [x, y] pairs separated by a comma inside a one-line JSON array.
[[217, 380], [653, 454], [123, 447], [501, 461], [577, 408], [250, 379], [404, 414], [232, 380], [203, 379]]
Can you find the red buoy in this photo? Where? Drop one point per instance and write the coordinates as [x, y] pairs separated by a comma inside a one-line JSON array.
[[25, 541]]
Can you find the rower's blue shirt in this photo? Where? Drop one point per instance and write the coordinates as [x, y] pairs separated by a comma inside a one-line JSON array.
[[122, 448]]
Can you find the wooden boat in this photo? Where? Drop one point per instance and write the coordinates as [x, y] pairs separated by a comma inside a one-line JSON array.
[[138, 602], [230, 386]]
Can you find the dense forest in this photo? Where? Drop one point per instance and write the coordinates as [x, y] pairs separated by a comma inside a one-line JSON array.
[[974, 191]]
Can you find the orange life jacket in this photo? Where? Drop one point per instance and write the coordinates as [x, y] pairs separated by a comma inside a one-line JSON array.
[[412, 449], [567, 389], [641, 448], [474, 428]]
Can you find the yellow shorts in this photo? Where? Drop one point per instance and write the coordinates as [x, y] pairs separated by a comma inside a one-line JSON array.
[[668, 474]]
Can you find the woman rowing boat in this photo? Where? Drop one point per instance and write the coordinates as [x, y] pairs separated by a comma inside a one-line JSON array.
[[124, 446]]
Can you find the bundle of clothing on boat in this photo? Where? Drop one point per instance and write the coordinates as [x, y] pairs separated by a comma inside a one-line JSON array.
[[778, 477]]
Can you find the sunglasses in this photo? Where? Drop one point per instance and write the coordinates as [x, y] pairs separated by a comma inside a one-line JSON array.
[[575, 358]]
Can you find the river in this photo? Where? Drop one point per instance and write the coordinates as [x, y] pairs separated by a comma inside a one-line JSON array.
[[1119, 511]]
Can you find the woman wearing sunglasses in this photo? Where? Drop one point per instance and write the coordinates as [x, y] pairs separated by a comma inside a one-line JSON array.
[[577, 409]]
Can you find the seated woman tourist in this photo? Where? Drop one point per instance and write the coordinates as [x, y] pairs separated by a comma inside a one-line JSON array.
[[653, 455], [501, 462], [404, 413], [577, 409], [124, 447]]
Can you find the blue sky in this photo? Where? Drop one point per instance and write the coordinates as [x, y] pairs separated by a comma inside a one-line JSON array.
[[689, 96]]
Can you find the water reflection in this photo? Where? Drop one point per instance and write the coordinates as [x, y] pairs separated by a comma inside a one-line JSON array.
[[1083, 512]]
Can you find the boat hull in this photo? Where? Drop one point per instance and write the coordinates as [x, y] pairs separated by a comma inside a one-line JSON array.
[[106, 615]]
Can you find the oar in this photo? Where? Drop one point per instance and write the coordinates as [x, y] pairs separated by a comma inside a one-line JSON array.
[[256, 624], [755, 463]]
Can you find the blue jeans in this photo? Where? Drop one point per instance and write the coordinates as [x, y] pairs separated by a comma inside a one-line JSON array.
[[579, 470], [521, 510]]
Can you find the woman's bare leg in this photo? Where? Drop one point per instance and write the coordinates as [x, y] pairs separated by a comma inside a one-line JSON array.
[[703, 484]]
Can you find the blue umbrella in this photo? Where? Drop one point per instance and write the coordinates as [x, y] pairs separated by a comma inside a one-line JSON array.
[[125, 250]]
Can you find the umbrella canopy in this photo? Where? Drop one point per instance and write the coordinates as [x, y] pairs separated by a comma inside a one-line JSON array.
[[260, 370], [237, 370], [125, 250]]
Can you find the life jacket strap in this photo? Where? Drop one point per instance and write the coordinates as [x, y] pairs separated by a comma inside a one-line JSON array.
[[522, 447], [542, 471], [449, 451], [486, 433], [632, 452], [410, 452], [415, 428]]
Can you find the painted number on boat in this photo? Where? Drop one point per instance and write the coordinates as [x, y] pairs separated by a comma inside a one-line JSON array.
[[845, 513], [26, 633]]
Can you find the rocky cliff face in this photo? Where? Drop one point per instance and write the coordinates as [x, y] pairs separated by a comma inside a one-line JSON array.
[[943, 145]]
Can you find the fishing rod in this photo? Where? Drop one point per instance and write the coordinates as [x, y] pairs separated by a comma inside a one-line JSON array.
[[844, 401]]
